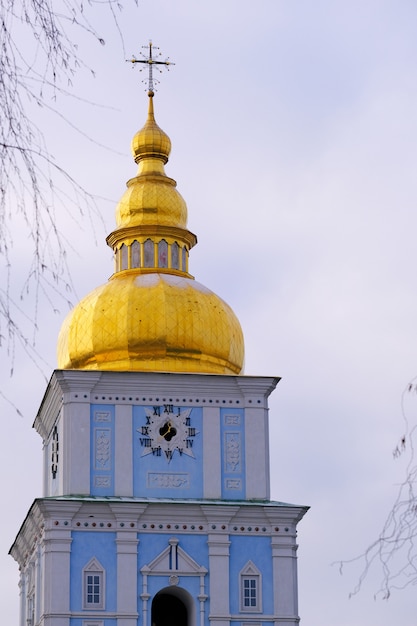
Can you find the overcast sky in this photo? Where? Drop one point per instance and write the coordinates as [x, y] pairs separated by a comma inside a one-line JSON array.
[[294, 132]]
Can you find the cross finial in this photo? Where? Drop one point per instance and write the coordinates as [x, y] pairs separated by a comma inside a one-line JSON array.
[[151, 60]]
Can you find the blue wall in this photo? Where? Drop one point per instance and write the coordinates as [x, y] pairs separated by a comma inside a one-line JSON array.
[[86, 546], [257, 550], [102, 546]]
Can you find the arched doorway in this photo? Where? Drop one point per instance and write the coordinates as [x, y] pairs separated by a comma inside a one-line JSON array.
[[172, 606]]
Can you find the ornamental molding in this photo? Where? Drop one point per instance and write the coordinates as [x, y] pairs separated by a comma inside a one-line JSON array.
[[173, 561]]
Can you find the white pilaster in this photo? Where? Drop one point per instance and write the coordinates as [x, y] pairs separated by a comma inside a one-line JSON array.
[[284, 567], [127, 560], [123, 451], [218, 546], [76, 448], [22, 598], [257, 453], [38, 585], [57, 577], [211, 453]]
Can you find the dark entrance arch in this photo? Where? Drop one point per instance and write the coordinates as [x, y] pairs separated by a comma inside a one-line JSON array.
[[171, 607]]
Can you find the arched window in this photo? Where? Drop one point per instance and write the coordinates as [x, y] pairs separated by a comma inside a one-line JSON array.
[[116, 259], [135, 254], [93, 585], [184, 259], [123, 252], [250, 589], [162, 253], [149, 260], [175, 256]]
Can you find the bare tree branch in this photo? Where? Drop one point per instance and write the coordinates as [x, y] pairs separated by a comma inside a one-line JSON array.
[[394, 552], [38, 61]]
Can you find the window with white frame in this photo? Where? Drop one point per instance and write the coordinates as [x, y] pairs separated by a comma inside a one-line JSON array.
[[250, 588], [93, 585]]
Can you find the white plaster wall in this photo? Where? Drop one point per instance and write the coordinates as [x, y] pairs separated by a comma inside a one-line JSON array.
[[256, 454], [75, 449]]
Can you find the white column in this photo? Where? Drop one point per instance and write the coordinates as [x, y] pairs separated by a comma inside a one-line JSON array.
[[284, 564], [57, 577], [145, 596], [218, 546], [127, 561], [38, 584], [202, 596], [127, 568], [22, 591]]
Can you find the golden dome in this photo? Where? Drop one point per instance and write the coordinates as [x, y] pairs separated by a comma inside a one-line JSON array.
[[148, 201], [152, 315], [151, 141], [152, 322], [151, 197]]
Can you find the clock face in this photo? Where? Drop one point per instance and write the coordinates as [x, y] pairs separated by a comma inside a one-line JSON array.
[[167, 431]]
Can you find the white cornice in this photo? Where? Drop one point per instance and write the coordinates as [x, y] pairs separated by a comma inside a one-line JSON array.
[[91, 386]]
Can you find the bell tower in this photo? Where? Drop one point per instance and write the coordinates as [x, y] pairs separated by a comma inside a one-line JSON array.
[[156, 505]]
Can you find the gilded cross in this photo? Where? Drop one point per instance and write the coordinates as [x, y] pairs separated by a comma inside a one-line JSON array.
[[151, 60]]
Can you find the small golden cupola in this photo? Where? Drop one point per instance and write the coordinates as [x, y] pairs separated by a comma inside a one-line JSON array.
[[152, 315]]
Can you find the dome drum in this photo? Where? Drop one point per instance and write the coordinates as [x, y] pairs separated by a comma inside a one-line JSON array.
[[144, 248], [150, 256]]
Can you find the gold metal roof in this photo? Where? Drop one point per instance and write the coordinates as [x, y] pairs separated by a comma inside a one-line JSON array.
[[152, 315]]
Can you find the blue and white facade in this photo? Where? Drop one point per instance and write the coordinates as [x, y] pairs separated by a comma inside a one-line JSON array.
[[156, 508]]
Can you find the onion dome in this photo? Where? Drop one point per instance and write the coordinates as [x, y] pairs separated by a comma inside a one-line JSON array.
[[152, 315], [151, 141]]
